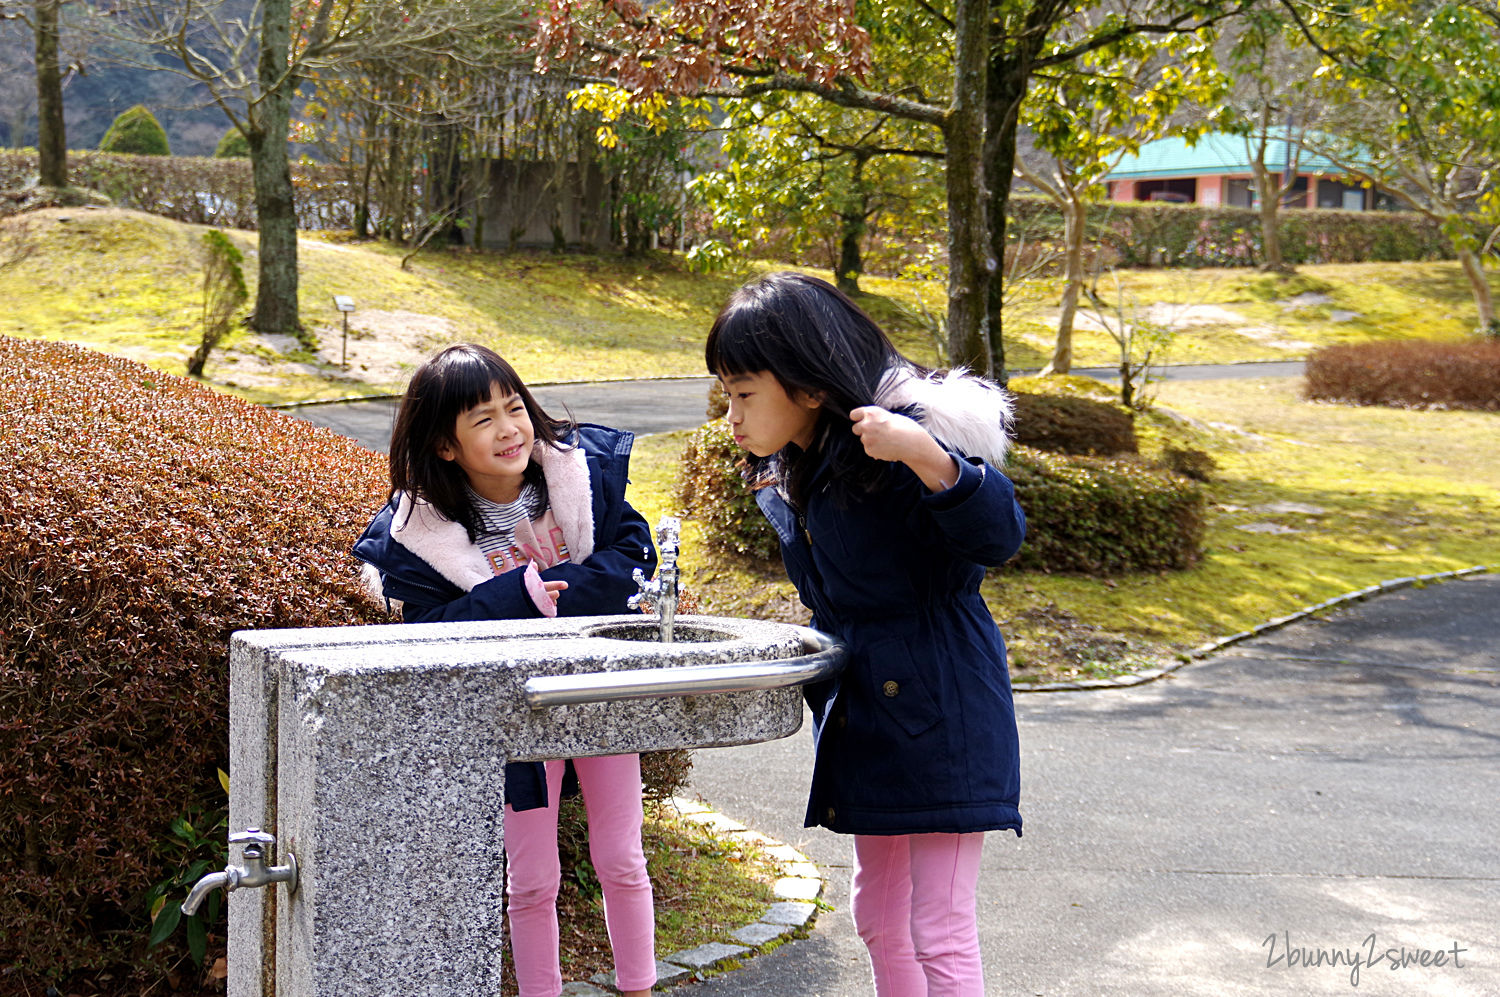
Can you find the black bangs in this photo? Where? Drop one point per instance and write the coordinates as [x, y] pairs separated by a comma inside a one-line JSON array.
[[812, 338], [464, 377], [444, 388]]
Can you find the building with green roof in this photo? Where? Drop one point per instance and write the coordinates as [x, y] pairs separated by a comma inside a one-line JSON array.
[[1216, 170]]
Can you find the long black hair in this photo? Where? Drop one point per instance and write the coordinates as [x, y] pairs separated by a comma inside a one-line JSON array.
[[453, 381], [809, 336]]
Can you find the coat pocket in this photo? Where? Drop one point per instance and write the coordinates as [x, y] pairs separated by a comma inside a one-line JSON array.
[[897, 683]]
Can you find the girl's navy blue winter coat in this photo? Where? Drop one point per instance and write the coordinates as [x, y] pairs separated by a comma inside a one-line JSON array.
[[918, 734], [428, 565]]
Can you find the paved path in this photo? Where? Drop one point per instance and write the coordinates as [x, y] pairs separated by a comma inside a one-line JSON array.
[[1333, 780], [662, 405]]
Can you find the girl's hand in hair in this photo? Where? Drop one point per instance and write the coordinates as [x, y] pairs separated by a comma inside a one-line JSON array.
[[888, 435]]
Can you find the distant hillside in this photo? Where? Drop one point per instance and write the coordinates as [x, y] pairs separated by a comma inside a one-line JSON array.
[[106, 86]]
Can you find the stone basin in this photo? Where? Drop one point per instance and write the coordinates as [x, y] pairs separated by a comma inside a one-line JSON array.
[[376, 755]]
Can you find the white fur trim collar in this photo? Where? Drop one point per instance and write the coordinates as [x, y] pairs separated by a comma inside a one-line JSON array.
[[968, 413], [445, 544]]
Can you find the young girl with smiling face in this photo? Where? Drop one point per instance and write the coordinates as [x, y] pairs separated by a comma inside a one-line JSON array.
[[882, 481], [498, 511]]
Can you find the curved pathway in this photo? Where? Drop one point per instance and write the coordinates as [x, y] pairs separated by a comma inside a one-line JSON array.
[[660, 405], [1333, 780]]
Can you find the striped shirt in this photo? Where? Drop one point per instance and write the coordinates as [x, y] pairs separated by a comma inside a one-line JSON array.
[[512, 534]]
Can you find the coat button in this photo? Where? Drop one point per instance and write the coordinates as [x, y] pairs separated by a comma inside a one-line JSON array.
[[830, 815], [890, 688], [843, 721]]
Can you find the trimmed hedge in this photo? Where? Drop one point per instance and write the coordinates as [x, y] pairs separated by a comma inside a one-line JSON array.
[[196, 189], [1095, 515], [1075, 425], [1407, 375], [1084, 514], [136, 132], [1193, 235], [144, 518]]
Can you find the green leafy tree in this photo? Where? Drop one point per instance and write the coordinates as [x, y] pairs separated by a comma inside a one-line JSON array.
[[1082, 121], [1273, 108], [1417, 92], [989, 50], [135, 131], [824, 175]]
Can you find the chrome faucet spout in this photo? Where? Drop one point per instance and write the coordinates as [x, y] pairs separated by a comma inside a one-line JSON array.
[[661, 591], [254, 873], [205, 886]]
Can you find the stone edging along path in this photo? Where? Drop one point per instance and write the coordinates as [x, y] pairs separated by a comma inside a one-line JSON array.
[[794, 911], [1202, 651]]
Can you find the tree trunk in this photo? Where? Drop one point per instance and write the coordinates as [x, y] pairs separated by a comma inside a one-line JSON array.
[[969, 264], [275, 204], [1008, 75], [1075, 214], [850, 266], [51, 138], [1483, 300], [1268, 188]]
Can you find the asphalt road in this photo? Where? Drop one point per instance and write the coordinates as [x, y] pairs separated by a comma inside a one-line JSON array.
[[663, 405], [1334, 780]]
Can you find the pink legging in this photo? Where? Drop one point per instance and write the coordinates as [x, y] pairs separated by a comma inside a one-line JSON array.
[[913, 900], [612, 796]]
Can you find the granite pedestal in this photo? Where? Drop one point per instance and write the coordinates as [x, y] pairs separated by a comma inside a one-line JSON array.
[[376, 755]]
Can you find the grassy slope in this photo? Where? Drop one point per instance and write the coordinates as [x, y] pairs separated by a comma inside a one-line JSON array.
[[129, 283]]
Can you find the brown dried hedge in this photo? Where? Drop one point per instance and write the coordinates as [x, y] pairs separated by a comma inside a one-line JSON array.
[[143, 519], [1407, 375], [1068, 424]]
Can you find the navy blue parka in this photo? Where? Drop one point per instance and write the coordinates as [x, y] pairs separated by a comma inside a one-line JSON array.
[[428, 564], [918, 733]]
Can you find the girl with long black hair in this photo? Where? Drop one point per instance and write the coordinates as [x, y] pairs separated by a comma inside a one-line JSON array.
[[883, 482]]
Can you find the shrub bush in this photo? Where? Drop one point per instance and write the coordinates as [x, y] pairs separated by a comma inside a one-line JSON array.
[[1407, 374], [712, 488], [144, 518], [1072, 424], [136, 132], [1086, 514], [232, 145], [1091, 514]]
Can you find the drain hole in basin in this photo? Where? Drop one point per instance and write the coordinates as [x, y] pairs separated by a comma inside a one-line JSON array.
[[649, 630]]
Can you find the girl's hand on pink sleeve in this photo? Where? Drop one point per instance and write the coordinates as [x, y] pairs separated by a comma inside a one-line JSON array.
[[543, 594]]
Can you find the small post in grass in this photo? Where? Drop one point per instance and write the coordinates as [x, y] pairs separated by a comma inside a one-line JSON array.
[[345, 304]]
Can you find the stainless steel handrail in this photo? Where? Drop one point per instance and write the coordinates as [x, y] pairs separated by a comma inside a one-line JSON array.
[[824, 659]]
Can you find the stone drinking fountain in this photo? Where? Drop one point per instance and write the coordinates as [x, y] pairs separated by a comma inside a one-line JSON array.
[[367, 772]]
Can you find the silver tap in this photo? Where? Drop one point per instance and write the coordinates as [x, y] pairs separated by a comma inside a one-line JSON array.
[[259, 869], [661, 591]]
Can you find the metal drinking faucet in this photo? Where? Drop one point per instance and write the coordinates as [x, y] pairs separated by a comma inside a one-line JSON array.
[[661, 591], [259, 869]]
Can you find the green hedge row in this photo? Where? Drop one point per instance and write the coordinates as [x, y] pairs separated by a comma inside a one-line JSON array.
[[1192, 235], [1084, 514], [1097, 515], [196, 189]]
